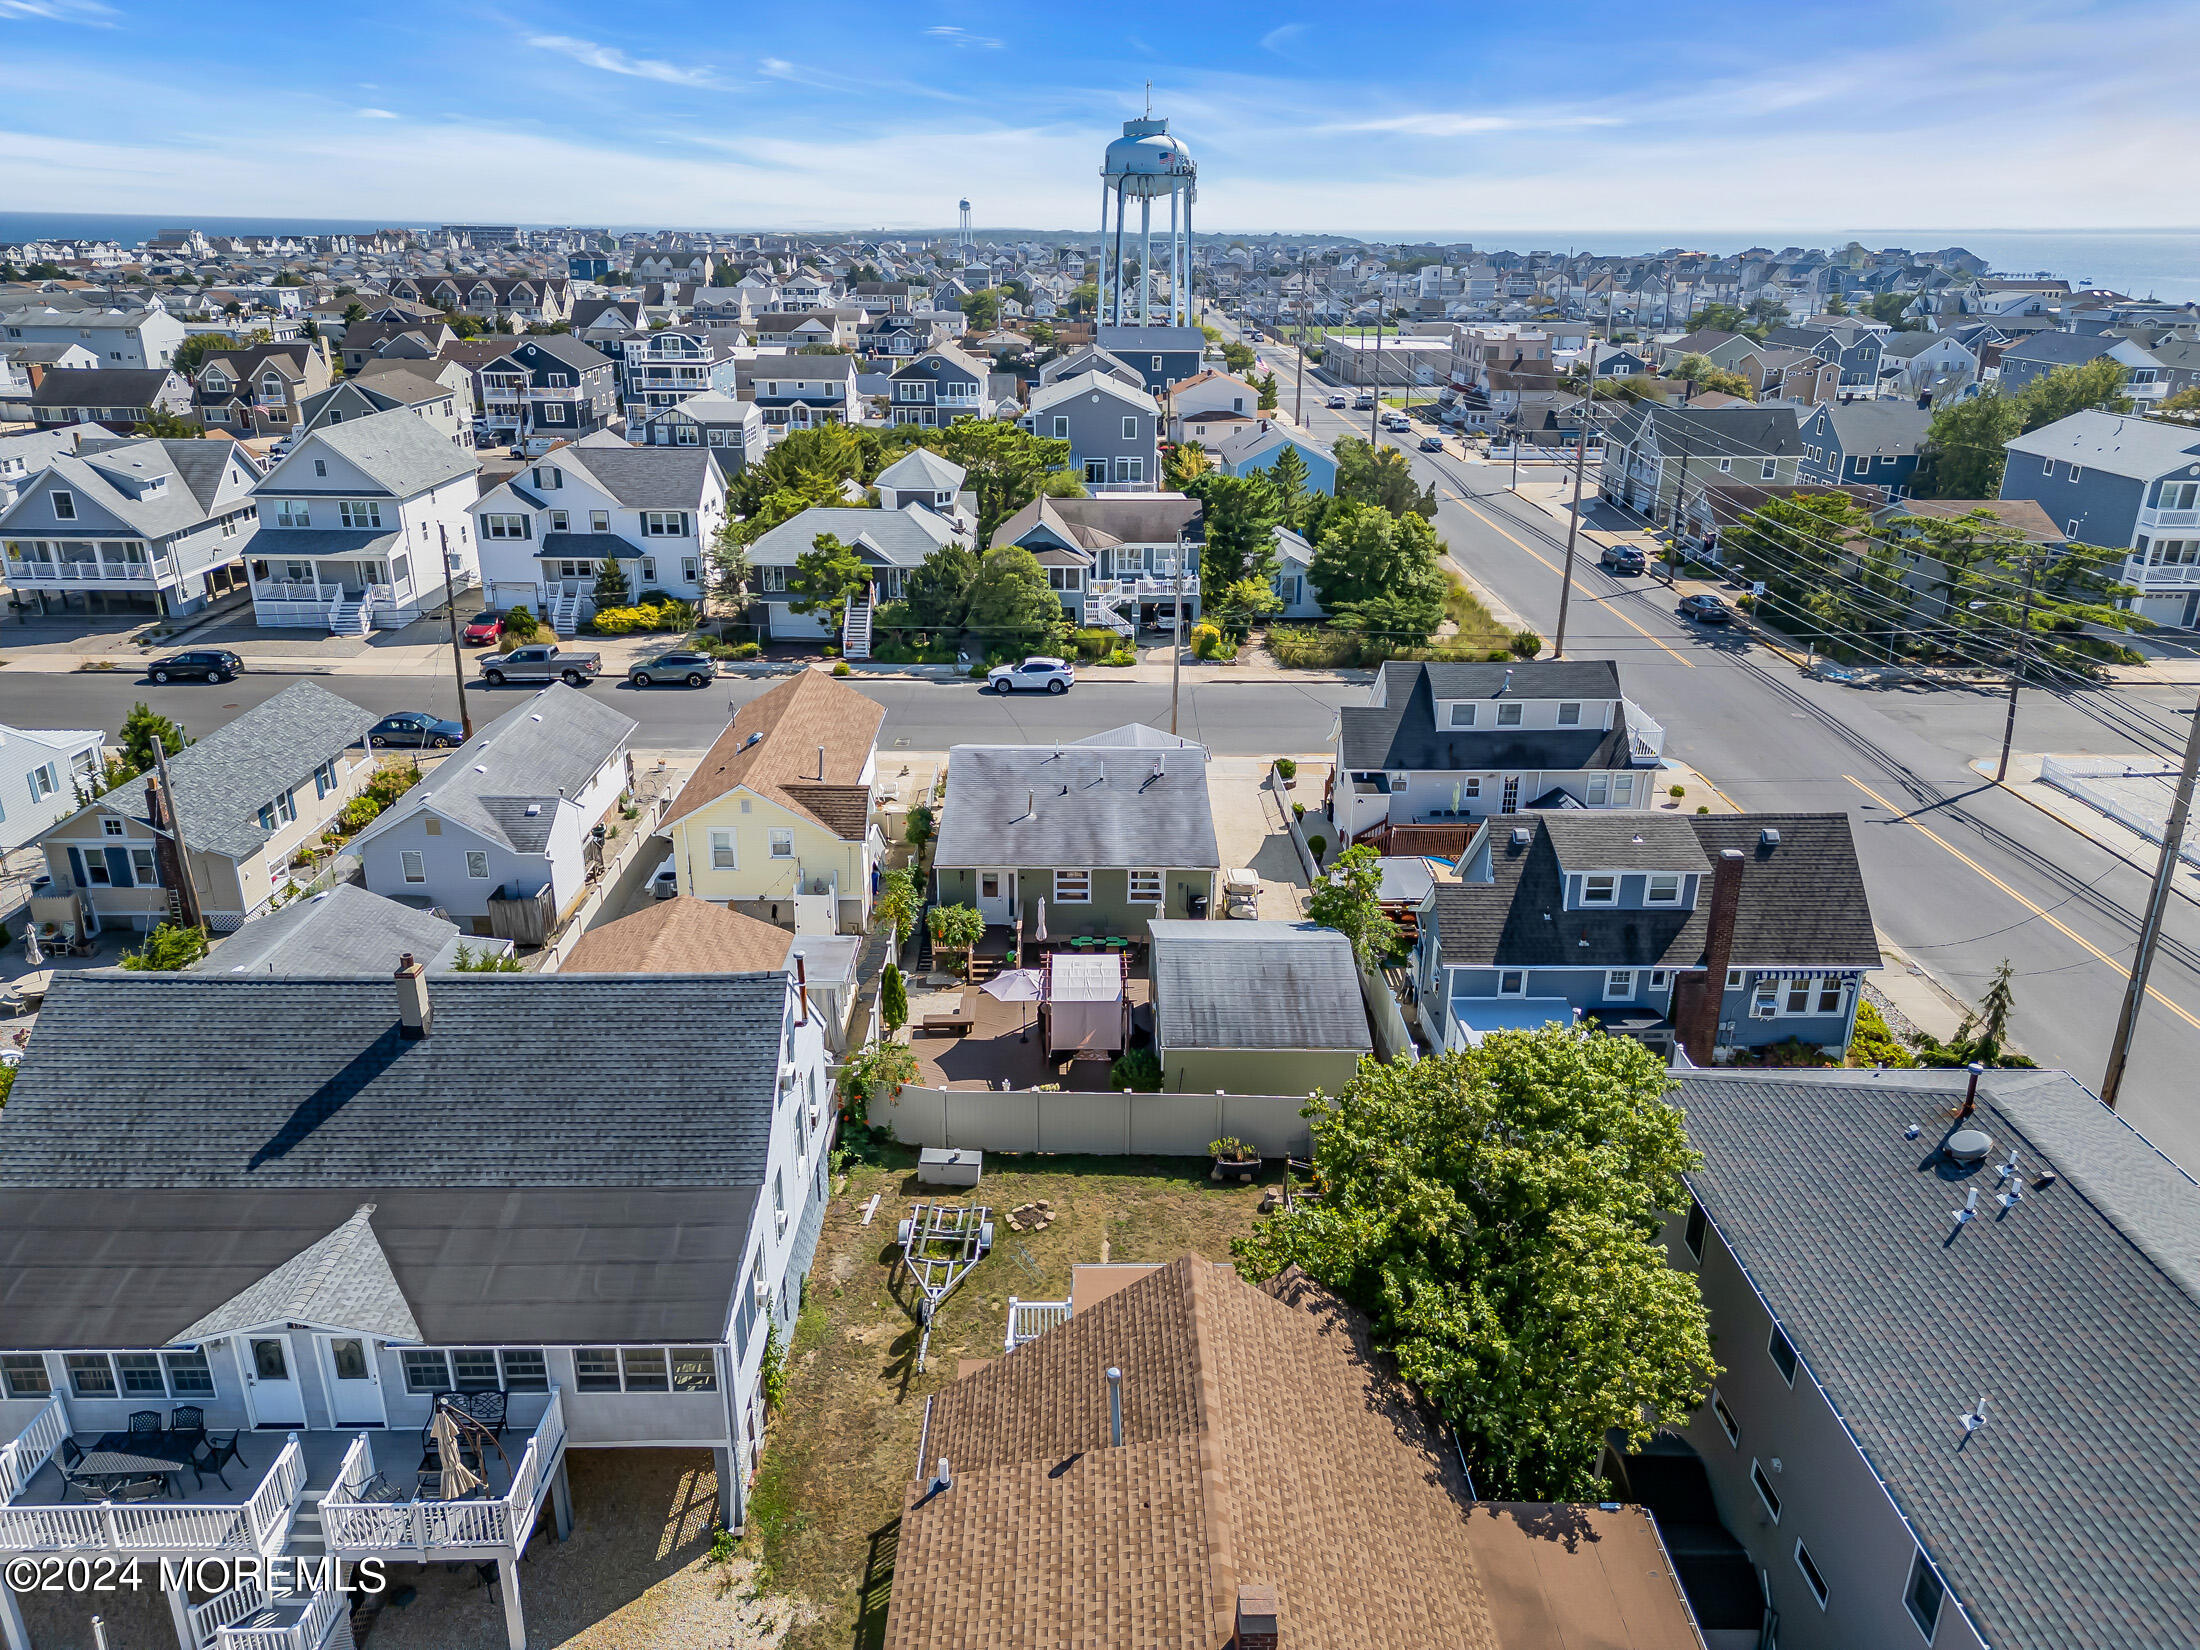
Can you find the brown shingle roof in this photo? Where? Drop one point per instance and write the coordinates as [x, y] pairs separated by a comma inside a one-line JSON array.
[[795, 718], [684, 935], [1264, 1444]]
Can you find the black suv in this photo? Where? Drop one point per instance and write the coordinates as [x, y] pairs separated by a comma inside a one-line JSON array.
[[211, 664], [1622, 558]]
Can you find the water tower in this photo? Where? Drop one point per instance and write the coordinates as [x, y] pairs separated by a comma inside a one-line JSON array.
[[967, 248], [1143, 165]]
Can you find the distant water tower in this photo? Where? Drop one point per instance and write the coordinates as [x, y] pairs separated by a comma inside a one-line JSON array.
[[1144, 164], [968, 246]]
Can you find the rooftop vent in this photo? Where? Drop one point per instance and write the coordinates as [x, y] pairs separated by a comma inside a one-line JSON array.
[[1769, 837], [1968, 1146], [534, 809], [1520, 836], [752, 738]]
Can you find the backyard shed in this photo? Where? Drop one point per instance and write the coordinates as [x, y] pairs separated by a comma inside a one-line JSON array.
[[1086, 1010], [1256, 1008]]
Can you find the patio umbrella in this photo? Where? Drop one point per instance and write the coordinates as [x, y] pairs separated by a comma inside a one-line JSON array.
[[458, 1478], [1017, 985], [31, 952], [1039, 937]]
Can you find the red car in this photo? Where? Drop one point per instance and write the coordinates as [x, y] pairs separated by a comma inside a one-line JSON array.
[[485, 627]]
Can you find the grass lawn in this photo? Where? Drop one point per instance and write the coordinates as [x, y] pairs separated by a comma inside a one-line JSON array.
[[827, 1497], [1478, 629]]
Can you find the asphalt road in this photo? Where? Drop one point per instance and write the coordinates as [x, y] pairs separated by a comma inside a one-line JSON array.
[[1961, 874]]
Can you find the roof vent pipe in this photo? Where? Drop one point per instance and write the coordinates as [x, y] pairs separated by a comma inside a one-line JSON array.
[[1970, 1093], [942, 1479], [821, 763], [1115, 1408], [1507, 688]]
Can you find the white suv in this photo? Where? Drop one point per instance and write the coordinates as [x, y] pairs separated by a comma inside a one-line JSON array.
[[1051, 675]]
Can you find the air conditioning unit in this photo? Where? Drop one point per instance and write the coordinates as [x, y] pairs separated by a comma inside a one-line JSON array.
[[763, 1292], [1763, 1010]]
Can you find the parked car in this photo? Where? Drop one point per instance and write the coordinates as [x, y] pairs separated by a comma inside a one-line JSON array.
[[1432, 443], [1340, 399], [484, 627], [1705, 608], [210, 664], [417, 728], [1033, 675], [692, 668], [665, 883], [1622, 558], [1364, 401], [1397, 423], [541, 662]]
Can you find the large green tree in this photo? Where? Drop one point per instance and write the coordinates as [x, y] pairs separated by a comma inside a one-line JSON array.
[[825, 578], [1003, 464], [1977, 564], [1380, 572], [1381, 475], [1239, 515], [938, 591], [1347, 898], [1497, 1213], [1290, 477], [1011, 604], [2058, 393], [1962, 454]]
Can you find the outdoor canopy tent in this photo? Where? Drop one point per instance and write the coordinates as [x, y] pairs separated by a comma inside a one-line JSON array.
[[1086, 1010]]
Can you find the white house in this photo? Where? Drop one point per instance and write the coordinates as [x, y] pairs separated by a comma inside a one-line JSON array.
[[359, 524], [546, 532], [1210, 407], [40, 770], [502, 835]]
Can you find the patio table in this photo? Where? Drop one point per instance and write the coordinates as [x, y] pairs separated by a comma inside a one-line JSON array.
[[32, 987], [138, 1455]]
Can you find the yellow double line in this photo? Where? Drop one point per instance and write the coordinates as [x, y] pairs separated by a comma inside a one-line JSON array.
[[1900, 818]]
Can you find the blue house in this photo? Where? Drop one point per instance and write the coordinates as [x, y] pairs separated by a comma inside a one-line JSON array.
[[1863, 443], [1160, 355], [587, 266], [1258, 448], [1710, 934]]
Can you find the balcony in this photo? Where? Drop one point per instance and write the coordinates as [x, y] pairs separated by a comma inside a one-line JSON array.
[[253, 1517], [1645, 734], [488, 1525], [2161, 575], [25, 570], [2159, 520]]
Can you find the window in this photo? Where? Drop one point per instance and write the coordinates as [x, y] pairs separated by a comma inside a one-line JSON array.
[[90, 1375], [1600, 888], [1770, 469], [1727, 1424], [1600, 789], [1512, 982], [1765, 1492], [1130, 469], [1660, 978], [24, 1375], [559, 521], [320, 467], [1663, 888], [1462, 716], [1734, 979], [599, 521], [1569, 716], [1816, 1581], [142, 867], [549, 475], [649, 569], [64, 504], [1623, 789], [477, 864], [721, 852], [1130, 429], [1073, 887], [1798, 996], [1783, 1354], [409, 863], [282, 811], [694, 1369], [1726, 466], [1061, 428], [2176, 495], [1508, 715], [293, 512], [664, 524], [141, 1372], [359, 513], [1619, 984], [782, 844], [525, 1371], [506, 527], [779, 1203], [1692, 1234], [45, 781], [324, 779], [554, 413], [348, 1359], [2047, 467], [596, 1369], [426, 1370], [1923, 1595], [690, 568], [474, 1371], [1830, 995], [1145, 887]]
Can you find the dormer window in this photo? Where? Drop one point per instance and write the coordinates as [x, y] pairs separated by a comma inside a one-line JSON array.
[[1508, 715], [1600, 888], [1663, 888], [1462, 716]]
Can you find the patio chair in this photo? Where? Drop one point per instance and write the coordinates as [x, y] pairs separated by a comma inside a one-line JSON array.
[[380, 1489], [958, 1024], [215, 1450], [187, 1422], [143, 1421], [151, 1487], [489, 1406], [91, 1485]]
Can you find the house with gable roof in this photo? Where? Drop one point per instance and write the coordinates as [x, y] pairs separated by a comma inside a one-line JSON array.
[[891, 541]]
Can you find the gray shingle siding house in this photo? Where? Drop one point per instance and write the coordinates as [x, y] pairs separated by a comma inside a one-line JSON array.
[[1708, 932], [362, 1193], [1161, 355], [1113, 431], [117, 397], [547, 389], [1851, 345], [892, 541], [1864, 443], [938, 387], [2116, 480], [1657, 457]]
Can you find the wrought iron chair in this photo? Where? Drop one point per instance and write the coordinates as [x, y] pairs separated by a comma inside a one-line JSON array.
[[143, 1421], [490, 1407], [215, 1450], [150, 1487]]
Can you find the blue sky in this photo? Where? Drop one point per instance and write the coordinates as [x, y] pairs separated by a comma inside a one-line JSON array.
[[1448, 116]]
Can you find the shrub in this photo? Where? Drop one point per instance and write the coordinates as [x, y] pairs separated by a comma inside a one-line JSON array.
[[893, 998], [1317, 846], [916, 830], [1287, 767], [773, 1370], [977, 671], [1093, 643], [745, 650], [1497, 655], [1676, 791], [1703, 807], [1310, 647], [841, 667], [168, 949], [874, 1069], [1298, 810], [359, 813], [1874, 1044], [1206, 640], [646, 619], [466, 960], [1526, 645], [1136, 1071], [1121, 657], [956, 928], [392, 780], [1230, 1149], [521, 624]]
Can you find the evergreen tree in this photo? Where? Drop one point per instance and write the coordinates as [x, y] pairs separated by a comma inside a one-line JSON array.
[[1011, 604], [893, 999], [140, 729], [825, 578], [1240, 514], [611, 585], [1289, 476], [1381, 570], [938, 591]]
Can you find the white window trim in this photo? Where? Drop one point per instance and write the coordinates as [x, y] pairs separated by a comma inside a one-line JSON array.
[[1806, 1571], [1724, 1416], [1649, 888], [1611, 896], [730, 843], [1155, 881], [1080, 880], [1520, 990], [1613, 978], [1758, 1479], [409, 861]]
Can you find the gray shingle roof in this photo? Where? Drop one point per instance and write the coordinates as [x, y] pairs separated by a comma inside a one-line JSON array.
[[1769, 432], [101, 387], [344, 1281], [543, 750], [104, 473], [400, 452], [902, 538], [2116, 442], [1626, 839], [175, 1081], [2067, 1522], [642, 478], [1255, 985], [346, 930], [1892, 427], [1079, 807], [1403, 735], [222, 781], [922, 468]]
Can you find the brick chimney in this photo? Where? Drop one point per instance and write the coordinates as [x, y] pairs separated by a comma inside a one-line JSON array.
[[1699, 997], [156, 803], [414, 1017], [1256, 1619]]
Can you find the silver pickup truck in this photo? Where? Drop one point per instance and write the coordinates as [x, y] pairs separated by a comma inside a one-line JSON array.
[[541, 662]]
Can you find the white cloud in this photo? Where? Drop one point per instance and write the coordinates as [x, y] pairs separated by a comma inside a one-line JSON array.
[[90, 13], [613, 61], [1280, 36], [1463, 125], [377, 114], [962, 38]]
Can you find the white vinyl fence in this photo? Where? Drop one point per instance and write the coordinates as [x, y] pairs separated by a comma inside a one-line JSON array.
[[2134, 792], [1100, 1125]]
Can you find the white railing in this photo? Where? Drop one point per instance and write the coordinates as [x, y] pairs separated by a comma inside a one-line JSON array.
[[1123, 486], [219, 1611], [1149, 587], [269, 1510], [88, 572], [30, 1449], [349, 1525], [1645, 734], [257, 1526], [1028, 1320], [2160, 576], [308, 1632], [293, 590], [2169, 518]]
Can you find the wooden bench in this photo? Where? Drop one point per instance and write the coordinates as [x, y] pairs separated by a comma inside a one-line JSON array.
[[961, 1022]]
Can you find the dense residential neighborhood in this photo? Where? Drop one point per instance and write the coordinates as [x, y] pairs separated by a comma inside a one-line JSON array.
[[722, 937]]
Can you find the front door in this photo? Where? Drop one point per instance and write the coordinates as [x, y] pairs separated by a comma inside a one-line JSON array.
[[1511, 803], [271, 1386], [997, 897], [354, 1384]]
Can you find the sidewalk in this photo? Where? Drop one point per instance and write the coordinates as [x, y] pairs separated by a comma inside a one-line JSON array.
[[2141, 852]]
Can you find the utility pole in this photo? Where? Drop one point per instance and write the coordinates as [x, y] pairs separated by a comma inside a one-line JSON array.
[[1176, 653], [450, 610], [1573, 521], [1375, 406], [2150, 928], [2016, 671], [1298, 394]]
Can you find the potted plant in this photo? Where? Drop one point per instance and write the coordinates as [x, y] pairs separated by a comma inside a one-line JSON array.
[[1288, 771], [1234, 1160]]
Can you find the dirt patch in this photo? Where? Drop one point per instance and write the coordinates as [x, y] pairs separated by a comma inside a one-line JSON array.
[[824, 1508]]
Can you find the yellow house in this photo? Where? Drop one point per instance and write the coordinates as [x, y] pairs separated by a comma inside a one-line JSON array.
[[776, 822]]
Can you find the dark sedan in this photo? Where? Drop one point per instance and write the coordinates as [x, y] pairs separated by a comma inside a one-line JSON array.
[[1705, 608], [212, 664], [416, 728], [694, 669]]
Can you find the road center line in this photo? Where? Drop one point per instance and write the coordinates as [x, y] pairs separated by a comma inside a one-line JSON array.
[[2122, 972], [1604, 606]]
